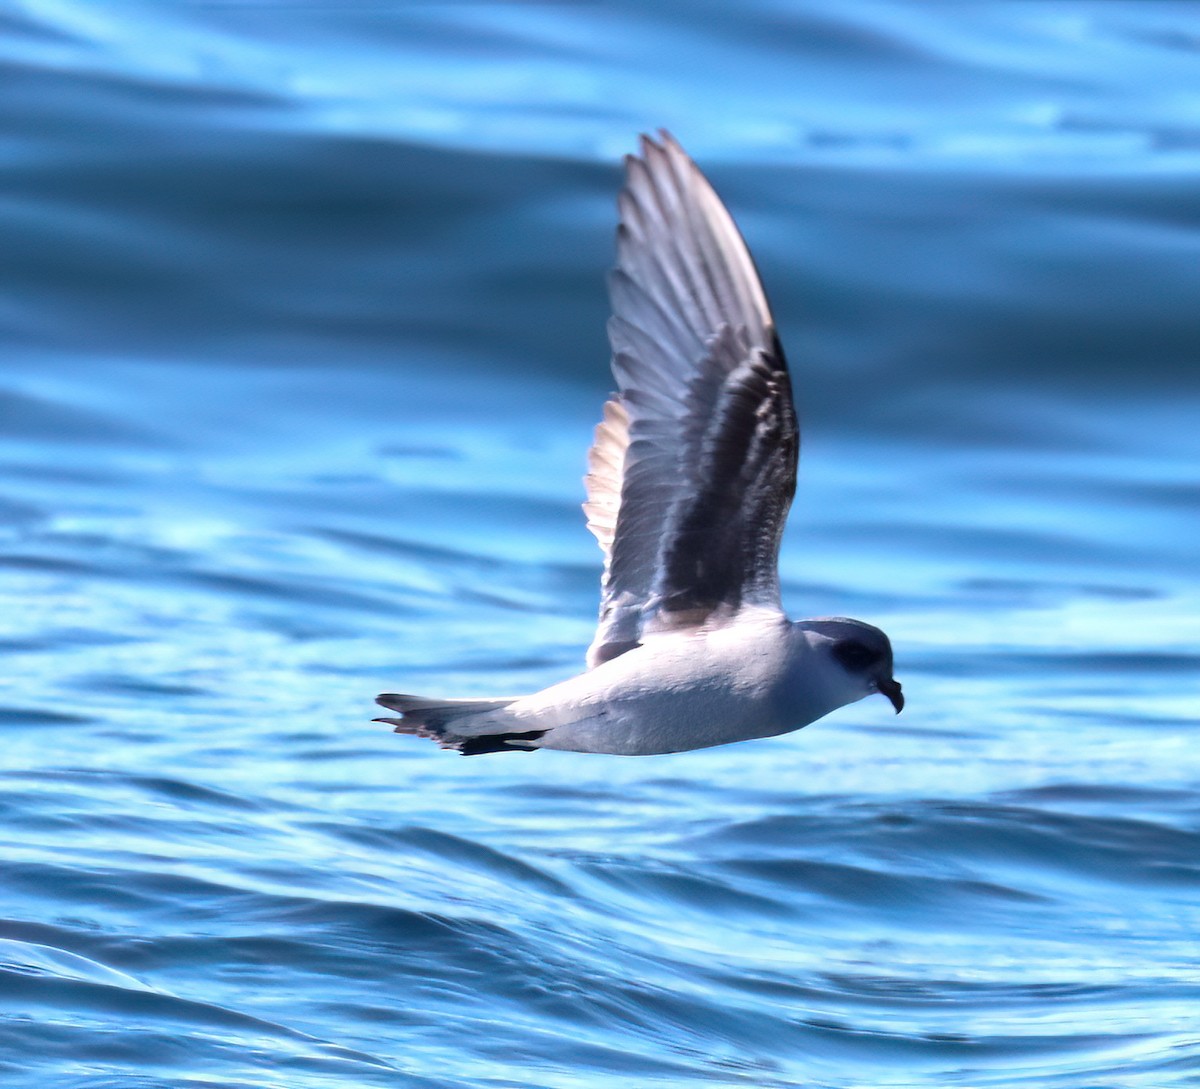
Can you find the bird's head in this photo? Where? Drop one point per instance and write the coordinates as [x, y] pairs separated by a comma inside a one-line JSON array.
[[861, 657]]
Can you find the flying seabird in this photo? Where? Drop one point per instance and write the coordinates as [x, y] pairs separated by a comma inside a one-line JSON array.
[[690, 479]]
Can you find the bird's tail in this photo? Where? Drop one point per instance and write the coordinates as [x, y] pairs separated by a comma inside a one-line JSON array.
[[470, 726]]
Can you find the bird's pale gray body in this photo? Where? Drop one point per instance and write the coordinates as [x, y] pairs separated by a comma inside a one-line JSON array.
[[682, 690], [690, 479]]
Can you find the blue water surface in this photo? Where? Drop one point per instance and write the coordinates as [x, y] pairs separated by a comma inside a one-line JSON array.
[[302, 310]]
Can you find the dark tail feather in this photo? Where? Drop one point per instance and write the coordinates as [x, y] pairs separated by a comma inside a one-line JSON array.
[[434, 718]]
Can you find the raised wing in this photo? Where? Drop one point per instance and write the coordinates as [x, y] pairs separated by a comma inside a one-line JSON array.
[[694, 464]]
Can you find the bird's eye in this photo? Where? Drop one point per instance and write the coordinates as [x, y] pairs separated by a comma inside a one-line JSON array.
[[855, 656]]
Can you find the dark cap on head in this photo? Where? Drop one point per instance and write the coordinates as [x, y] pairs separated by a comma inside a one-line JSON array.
[[862, 649]]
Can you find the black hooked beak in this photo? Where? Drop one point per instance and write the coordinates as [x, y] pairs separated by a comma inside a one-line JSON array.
[[891, 689]]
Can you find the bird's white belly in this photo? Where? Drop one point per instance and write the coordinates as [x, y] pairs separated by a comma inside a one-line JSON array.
[[664, 724], [672, 695]]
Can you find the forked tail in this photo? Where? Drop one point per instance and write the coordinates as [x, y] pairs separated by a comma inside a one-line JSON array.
[[465, 725]]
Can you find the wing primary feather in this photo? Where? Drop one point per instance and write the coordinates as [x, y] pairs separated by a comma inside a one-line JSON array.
[[693, 466]]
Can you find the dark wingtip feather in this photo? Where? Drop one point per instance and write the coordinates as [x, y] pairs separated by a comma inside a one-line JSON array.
[[485, 743]]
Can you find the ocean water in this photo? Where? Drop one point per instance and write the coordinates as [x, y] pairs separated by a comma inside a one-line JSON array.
[[302, 315]]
